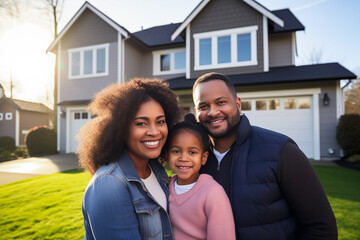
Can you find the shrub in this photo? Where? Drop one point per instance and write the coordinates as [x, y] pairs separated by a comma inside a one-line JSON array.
[[354, 159], [21, 152], [7, 143], [41, 140], [348, 134], [5, 155]]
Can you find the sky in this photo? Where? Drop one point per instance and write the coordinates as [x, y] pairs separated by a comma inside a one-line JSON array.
[[332, 32]]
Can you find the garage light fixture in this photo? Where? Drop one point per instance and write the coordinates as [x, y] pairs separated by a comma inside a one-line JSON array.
[[326, 99]]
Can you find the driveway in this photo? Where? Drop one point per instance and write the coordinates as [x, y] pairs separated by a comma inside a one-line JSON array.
[[15, 170]]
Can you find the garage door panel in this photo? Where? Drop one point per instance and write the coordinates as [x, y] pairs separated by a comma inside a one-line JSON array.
[[296, 123]]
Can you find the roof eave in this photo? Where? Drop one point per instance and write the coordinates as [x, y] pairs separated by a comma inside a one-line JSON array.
[[85, 6]]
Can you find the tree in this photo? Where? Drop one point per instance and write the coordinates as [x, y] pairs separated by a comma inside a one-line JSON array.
[[54, 9], [352, 101]]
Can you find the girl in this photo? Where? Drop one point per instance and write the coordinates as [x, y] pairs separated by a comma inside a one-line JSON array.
[[199, 207], [127, 197]]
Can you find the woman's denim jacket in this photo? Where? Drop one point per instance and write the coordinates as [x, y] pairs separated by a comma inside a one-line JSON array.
[[117, 205]]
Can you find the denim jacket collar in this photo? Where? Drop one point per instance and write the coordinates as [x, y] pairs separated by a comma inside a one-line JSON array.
[[131, 174]]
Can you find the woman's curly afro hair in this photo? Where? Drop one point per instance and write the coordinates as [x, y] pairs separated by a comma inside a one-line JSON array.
[[102, 140]]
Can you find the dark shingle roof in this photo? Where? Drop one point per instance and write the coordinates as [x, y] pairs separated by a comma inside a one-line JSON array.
[[159, 35], [291, 23], [29, 106], [289, 74]]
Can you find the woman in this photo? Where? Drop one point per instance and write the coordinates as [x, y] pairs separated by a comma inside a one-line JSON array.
[[127, 196]]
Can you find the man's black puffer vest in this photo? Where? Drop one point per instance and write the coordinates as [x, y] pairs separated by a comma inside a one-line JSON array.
[[260, 210]]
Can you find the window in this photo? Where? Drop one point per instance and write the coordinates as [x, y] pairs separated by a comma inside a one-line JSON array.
[[8, 116], [304, 103], [290, 103], [245, 105], [169, 61], [260, 105], [89, 61], [1, 116], [226, 48], [274, 104]]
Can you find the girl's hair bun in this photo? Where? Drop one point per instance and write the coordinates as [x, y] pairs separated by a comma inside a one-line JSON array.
[[190, 118]]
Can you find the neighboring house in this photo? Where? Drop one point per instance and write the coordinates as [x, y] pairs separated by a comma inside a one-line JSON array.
[[18, 116], [241, 38]]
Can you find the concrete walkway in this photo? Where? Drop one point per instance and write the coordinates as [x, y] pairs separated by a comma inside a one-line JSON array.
[[15, 170]]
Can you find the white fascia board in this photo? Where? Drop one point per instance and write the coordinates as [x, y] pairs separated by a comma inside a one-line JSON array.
[[78, 14], [265, 12], [187, 21]]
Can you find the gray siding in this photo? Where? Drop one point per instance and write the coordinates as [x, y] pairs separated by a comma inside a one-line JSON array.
[[138, 60], [88, 30], [227, 14], [280, 50], [7, 127], [29, 120]]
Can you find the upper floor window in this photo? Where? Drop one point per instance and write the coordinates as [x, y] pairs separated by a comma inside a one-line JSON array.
[[8, 116], [1, 116], [226, 48], [169, 61], [90, 61]]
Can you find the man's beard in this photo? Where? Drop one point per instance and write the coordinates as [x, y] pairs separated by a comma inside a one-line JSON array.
[[232, 125]]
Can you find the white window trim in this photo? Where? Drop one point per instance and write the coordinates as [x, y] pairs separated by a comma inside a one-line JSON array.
[[233, 33], [82, 50], [1, 117], [8, 116], [157, 61]]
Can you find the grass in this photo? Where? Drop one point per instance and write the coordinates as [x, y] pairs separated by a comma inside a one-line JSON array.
[[49, 207], [342, 187]]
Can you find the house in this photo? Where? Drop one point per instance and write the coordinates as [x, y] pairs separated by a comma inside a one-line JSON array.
[[18, 116], [254, 46]]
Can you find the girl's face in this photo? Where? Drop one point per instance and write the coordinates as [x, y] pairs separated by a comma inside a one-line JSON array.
[[147, 132], [185, 156]]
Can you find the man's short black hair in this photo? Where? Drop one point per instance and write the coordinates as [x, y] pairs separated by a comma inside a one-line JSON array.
[[216, 76]]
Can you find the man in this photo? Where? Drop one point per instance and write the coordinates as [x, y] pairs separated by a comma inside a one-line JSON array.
[[274, 191]]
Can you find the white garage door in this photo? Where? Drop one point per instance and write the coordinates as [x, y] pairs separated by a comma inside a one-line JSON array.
[[292, 116], [78, 120]]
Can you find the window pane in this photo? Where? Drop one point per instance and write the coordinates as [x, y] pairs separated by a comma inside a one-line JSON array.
[[100, 60], [180, 60], [75, 64], [244, 47], [77, 116], [205, 51], [261, 105], [165, 62], [290, 103], [304, 103], [88, 60], [84, 115], [224, 49], [245, 105], [274, 104]]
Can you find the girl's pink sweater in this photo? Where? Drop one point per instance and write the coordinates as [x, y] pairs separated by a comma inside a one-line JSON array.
[[204, 212]]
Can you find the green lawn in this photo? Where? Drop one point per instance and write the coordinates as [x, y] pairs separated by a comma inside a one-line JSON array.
[[49, 207]]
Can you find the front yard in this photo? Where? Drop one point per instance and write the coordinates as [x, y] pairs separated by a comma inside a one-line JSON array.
[[49, 207]]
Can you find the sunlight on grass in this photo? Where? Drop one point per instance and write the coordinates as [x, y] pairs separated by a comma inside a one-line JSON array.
[[49, 207], [46, 207]]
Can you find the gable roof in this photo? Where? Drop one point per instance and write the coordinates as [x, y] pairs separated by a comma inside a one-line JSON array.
[[289, 74], [159, 35], [100, 14], [203, 3], [291, 23], [27, 106]]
